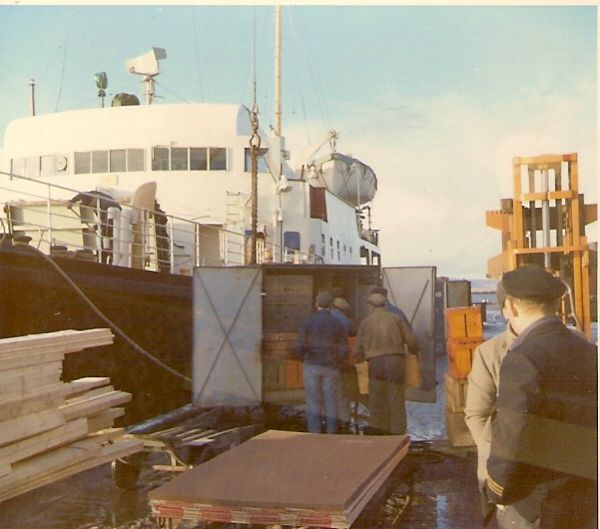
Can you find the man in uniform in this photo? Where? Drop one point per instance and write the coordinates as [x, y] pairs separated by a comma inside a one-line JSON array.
[[482, 391], [542, 470], [382, 339]]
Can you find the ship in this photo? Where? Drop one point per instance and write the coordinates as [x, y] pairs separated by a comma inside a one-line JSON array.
[[107, 211]]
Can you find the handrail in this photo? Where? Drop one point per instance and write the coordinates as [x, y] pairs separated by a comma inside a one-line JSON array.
[[114, 232]]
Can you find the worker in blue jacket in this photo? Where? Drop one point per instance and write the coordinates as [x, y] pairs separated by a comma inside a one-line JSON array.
[[542, 471], [322, 344]]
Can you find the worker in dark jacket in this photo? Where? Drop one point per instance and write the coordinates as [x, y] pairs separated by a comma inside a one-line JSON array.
[[389, 306], [382, 340], [322, 344], [542, 471]]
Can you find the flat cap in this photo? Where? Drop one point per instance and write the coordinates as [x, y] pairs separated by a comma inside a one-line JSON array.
[[376, 299], [379, 290], [341, 303], [323, 299], [532, 282]]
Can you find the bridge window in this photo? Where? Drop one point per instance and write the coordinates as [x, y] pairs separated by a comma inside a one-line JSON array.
[[99, 161], [82, 162], [179, 159], [118, 161], [135, 160], [218, 159], [198, 158], [160, 159]]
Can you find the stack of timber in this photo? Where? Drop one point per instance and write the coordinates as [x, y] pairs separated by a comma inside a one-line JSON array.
[[464, 332], [280, 370], [285, 478], [51, 429]]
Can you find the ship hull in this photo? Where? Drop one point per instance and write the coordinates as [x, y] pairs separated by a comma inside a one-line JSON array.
[[153, 309]]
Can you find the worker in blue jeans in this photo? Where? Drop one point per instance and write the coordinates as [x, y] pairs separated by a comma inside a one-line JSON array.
[[322, 345]]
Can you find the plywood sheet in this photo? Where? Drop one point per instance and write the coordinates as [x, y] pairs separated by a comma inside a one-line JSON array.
[[289, 469]]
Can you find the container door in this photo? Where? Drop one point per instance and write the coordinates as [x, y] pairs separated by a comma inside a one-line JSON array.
[[227, 336], [412, 289]]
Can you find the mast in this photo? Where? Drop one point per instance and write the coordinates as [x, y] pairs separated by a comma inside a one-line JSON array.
[[277, 70]]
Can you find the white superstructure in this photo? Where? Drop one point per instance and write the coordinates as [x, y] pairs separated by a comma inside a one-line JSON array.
[[199, 157]]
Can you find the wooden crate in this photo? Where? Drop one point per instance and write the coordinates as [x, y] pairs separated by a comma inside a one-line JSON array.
[[294, 374], [456, 392], [460, 357], [274, 374], [362, 373], [464, 323], [278, 345], [282, 374], [457, 430], [288, 300]]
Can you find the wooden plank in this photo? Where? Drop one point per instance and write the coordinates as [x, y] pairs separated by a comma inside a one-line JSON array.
[[66, 339], [49, 462], [81, 385], [51, 397], [94, 405], [43, 442], [19, 361], [28, 425], [96, 392], [21, 386], [120, 448], [104, 420], [31, 371]]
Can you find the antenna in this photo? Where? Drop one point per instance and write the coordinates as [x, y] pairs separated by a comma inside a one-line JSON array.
[[101, 84], [147, 65], [32, 87]]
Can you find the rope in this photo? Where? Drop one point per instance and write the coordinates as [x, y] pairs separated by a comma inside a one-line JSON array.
[[104, 318]]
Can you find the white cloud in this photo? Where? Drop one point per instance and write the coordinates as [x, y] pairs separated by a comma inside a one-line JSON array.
[[441, 163]]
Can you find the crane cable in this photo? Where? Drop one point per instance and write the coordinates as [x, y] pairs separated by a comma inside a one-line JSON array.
[[100, 314]]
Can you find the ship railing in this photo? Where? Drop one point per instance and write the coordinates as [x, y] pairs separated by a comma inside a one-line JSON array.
[[101, 229]]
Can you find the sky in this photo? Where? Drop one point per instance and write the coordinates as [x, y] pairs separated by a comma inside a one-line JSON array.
[[436, 99]]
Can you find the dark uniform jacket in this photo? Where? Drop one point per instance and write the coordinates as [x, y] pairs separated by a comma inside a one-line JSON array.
[[544, 439]]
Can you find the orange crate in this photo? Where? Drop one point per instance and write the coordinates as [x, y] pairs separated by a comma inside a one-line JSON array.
[[294, 374], [464, 323], [460, 357]]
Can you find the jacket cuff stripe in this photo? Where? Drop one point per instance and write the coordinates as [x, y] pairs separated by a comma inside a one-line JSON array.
[[495, 487]]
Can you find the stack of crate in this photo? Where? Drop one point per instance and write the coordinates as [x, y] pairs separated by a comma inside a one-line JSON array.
[[280, 370], [464, 332]]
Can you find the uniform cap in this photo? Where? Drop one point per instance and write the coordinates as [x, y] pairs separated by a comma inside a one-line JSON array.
[[341, 303], [500, 295], [323, 299], [532, 282], [379, 290], [376, 299]]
